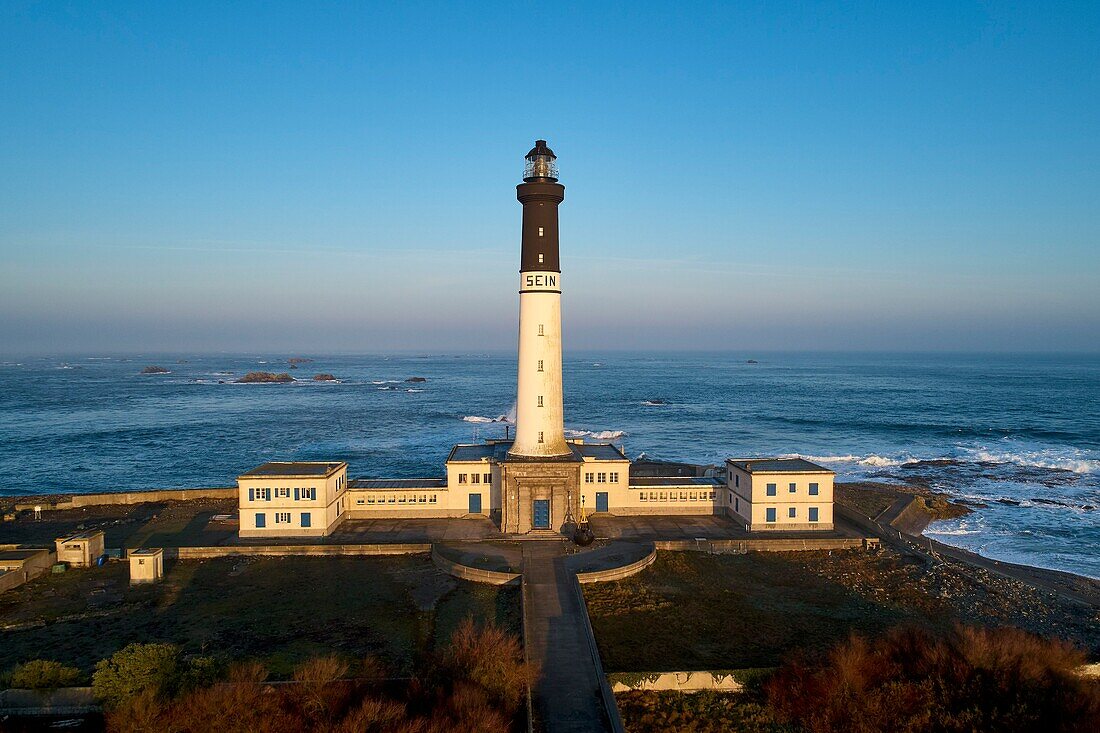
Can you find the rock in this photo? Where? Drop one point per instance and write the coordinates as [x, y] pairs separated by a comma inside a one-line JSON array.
[[324, 378], [416, 379], [155, 370], [260, 377], [752, 361], [299, 360]]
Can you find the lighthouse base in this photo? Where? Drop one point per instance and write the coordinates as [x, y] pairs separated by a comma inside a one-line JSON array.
[[540, 495]]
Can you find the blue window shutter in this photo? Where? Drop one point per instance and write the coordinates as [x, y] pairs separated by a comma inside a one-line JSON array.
[[251, 494], [295, 493], [306, 520], [261, 520], [267, 494]]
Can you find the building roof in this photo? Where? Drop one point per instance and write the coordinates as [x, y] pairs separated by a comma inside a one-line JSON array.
[[497, 451], [777, 465], [643, 482], [294, 469], [146, 551], [379, 484], [90, 534]]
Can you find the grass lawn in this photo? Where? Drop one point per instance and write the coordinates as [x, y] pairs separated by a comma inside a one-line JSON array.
[[280, 610], [693, 611]]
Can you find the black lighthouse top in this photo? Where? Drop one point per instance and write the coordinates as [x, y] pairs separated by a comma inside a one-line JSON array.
[[540, 193], [540, 164]]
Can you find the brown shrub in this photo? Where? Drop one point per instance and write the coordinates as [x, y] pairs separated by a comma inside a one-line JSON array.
[[911, 681], [491, 659]]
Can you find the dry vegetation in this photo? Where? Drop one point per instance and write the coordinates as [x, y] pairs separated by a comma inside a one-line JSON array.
[[475, 684], [696, 611]]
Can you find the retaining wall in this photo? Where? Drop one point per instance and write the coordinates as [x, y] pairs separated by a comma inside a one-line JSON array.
[[624, 571], [477, 575], [675, 681]]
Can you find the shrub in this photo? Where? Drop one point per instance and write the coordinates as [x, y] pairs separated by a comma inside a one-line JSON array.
[[137, 668], [43, 674], [911, 681], [489, 658]]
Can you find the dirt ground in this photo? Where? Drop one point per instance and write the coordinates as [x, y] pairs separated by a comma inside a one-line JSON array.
[[696, 611], [281, 610]]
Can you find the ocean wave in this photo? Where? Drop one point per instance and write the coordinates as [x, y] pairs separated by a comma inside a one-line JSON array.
[[1036, 459], [874, 461], [597, 434], [480, 419], [414, 390]]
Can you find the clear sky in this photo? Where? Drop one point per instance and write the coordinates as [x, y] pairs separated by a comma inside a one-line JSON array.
[[321, 177]]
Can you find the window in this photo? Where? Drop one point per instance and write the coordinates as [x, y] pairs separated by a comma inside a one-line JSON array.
[[792, 512], [653, 496], [641, 496], [813, 514], [813, 489], [694, 496], [540, 258], [261, 494], [141, 561], [712, 496], [421, 500], [540, 400], [431, 499], [540, 231], [461, 478], [793, 487], [282, 517], [261, 520], [664, 496], [391, 499], [359, 502], [683, 496], [589, 478], [307, 520], [769, 515], [540, 432], [282, 493], [736, 504], [540, 365], [542, 330], [771, 489], [614, 478], [475, 478], [488, 478], [401, 499], [370, 499], [601, 478], [736, 479]]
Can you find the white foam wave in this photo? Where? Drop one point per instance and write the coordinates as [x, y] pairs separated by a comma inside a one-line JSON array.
[[872, 460], [597, 434], [480, 419], [1037, 459], [414, 390]]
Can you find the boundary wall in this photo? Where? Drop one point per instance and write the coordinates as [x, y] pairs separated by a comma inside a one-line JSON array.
[[206, 553], [764, 544], [76, 501], [675, 681], [36, 564]]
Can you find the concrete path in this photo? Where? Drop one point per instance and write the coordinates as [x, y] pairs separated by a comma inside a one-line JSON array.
[[567, 695]]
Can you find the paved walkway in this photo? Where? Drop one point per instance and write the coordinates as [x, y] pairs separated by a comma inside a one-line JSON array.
[[567, 695]]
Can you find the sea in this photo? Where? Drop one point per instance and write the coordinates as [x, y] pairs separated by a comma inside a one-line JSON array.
[[1017, 437]]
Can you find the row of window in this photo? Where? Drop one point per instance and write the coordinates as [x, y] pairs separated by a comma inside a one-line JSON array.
[[601, 477], [266, 493], [283, 518], [792, 513], [398, 499], [477, 478], [792, 488], [676, 496]]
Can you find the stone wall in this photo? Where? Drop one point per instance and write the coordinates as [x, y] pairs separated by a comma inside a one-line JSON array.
[[129, 497], [477, 575], [624, 571], [205, 553], [778, 544]]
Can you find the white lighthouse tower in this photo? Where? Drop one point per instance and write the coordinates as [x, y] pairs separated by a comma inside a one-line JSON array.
[[539, 419]]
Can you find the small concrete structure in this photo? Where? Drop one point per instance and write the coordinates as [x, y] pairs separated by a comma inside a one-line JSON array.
[[146, 565], [81, 550], [17, 566]]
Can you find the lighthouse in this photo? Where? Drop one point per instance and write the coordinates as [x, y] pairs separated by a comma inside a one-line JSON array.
[[539, 419]]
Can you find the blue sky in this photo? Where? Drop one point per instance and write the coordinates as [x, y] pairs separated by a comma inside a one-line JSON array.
[[340, 177]]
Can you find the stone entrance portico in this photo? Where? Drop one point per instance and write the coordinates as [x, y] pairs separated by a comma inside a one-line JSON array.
[[525, 481]]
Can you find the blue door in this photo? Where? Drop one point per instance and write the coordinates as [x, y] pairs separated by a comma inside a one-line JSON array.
[[475, 503], [542, 514], [601, 501]]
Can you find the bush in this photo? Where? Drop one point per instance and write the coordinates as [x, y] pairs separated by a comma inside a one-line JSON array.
[[137, 668], [968, 680], [43, 674], [490, 659]]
